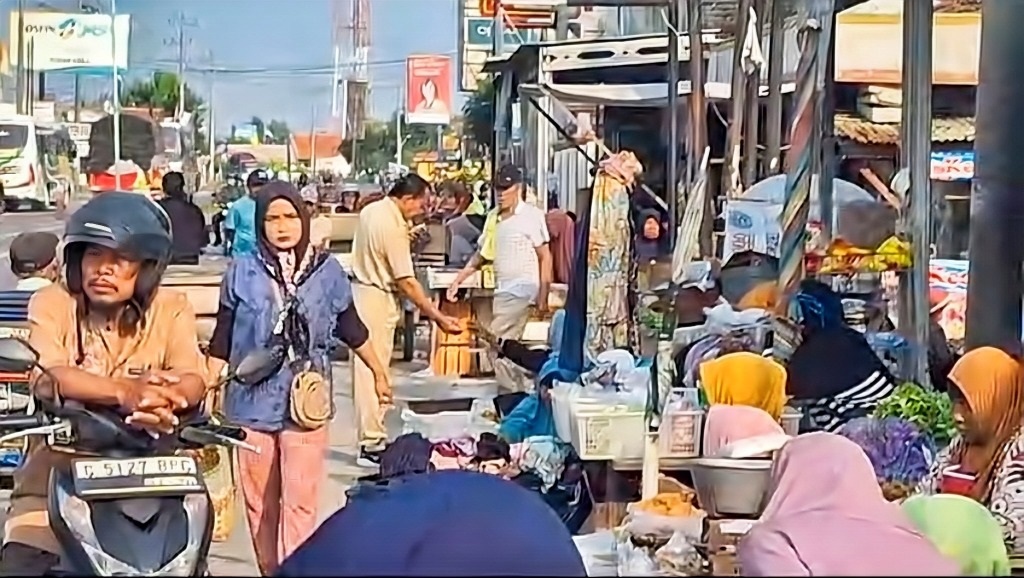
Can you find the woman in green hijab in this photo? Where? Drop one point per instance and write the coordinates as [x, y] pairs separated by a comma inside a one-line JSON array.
[[963, 530]]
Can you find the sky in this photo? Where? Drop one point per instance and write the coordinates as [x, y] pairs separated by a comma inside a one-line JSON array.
[[277, 36]]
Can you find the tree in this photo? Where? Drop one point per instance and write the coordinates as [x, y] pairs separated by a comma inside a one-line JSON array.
[[160, 93], [279, 131], [377, 147], [478, 114]]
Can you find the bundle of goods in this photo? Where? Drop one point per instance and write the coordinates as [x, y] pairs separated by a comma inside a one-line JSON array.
[[660, 535], [900, 453], [929, 410]]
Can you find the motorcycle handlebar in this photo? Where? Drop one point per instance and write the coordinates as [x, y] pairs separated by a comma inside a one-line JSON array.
[[10, 423]]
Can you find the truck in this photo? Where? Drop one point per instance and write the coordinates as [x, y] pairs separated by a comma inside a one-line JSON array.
[[177, 144], [141, 166]]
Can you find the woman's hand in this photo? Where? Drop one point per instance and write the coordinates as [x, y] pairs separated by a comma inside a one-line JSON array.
[[382, 385]]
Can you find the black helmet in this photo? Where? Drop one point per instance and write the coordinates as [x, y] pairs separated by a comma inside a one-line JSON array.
[[127, 222]]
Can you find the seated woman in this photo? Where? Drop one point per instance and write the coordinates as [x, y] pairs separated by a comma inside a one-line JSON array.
[[987, 388], [963, 530], [725, 425], [745, 378], [827, 517], [834, 369]]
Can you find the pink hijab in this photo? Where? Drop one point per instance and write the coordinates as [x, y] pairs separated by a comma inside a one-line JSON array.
[[827, 517], [731, 423]]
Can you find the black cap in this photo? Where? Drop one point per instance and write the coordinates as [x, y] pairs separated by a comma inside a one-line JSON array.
[[257, 178], [508, 176], [32, 252]]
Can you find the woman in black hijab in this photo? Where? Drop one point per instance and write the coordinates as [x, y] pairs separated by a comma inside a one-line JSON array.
[[651, 238], [288, 297]]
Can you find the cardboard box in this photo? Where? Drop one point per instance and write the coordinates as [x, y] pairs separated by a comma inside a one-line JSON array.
[[724, 565]]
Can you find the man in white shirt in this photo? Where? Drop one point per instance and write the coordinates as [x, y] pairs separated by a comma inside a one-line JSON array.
[[515, 239], [34, 260]]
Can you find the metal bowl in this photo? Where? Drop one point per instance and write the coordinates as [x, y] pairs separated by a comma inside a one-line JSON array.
[[732, 488]]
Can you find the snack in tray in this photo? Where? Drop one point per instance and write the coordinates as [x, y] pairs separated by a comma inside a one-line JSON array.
[[675, 504]]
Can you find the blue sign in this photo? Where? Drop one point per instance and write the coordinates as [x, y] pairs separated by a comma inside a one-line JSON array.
[[478, 34], [952, 166]]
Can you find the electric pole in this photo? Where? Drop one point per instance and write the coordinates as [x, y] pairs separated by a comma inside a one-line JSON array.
[[182, 41]]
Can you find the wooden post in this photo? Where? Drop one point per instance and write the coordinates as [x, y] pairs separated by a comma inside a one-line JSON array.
[[698, 133], [751, 122], [731, 181], [773, 112]]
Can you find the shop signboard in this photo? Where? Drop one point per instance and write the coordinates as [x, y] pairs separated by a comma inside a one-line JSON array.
[[68, 42], [479, 35], [952, 166], [751, 226]]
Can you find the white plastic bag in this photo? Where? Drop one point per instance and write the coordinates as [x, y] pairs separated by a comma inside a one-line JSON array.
[[439, 426], [633, 561], [598, 551], [643, 523], [680, 556]]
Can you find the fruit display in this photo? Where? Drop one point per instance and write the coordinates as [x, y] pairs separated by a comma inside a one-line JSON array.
[[841, 257]]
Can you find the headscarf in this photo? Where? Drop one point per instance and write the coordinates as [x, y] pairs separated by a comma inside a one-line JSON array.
[[764, 295], [726, 424], [445, 523], [408, 454], [963, 530], [745, 379], [823, 495], [286, 265], [991, 383], [820, 307], [648, 249]]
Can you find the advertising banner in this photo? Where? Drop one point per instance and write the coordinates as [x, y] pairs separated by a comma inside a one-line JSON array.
[[428, 89], [751, 226], [952, 166], [71, 42]]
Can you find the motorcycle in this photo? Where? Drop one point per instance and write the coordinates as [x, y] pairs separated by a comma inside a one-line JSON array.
[[131, 504]]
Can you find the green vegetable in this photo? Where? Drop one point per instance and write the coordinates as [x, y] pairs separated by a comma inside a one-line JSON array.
[[930, 411]]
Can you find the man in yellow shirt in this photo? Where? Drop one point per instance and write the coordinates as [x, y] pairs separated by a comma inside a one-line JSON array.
[[382, 270]]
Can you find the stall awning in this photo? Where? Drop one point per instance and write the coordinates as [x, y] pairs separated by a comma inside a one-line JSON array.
[[630, 95]]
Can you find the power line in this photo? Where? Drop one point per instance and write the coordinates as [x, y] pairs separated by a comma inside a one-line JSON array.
[[285, 71]]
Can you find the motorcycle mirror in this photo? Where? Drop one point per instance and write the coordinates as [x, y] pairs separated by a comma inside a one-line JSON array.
[[17, 356], [255, 366]]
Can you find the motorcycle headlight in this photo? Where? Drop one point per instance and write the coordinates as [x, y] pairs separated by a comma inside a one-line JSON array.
[[78, 516]]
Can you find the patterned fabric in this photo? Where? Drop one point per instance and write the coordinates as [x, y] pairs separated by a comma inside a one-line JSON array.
[[609, 267], [1006, 501]]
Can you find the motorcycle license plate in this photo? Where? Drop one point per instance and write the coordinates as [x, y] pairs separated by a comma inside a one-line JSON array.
[[19, 332], [98, 477]]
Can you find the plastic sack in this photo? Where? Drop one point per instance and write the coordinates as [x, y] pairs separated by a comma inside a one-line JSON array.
[[680, 556], [598, 551], [642, 523], [439, 426], [633, 561]]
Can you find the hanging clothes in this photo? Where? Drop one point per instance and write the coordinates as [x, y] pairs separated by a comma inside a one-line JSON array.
[[609, 258]]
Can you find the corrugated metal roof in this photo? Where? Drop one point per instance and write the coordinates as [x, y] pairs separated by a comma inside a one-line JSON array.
[[944, 129]]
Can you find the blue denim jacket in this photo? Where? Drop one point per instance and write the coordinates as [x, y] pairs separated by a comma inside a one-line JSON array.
[[248, 289]]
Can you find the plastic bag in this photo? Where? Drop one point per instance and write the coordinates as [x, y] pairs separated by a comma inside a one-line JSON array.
[[642, 523], [680, 556], [598, 551], [633, 561]]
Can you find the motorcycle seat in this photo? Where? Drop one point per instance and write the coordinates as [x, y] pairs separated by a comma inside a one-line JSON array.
[[14, 306]]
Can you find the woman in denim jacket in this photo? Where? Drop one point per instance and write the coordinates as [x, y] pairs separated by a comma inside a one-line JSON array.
[[281, 483]]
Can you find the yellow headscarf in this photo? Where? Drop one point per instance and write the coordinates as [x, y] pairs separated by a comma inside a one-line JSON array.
[[745, 379]]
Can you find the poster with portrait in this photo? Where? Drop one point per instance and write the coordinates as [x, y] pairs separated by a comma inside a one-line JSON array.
[[428, 89]]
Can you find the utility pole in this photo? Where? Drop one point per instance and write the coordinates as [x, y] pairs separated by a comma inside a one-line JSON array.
[[211, 130], [180, 22], [116, 93], [19, 79], [399, 111]]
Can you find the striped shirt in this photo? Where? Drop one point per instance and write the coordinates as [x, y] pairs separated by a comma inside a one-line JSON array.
[[829, 414]]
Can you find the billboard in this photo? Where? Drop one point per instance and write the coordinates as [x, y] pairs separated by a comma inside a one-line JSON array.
[[71, 42], [428, 89]]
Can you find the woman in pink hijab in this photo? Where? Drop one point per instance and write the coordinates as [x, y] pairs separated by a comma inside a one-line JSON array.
[[827, 517], [727, 424]]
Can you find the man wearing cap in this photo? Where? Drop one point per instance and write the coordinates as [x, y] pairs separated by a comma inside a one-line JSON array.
[[34, 260], [516, 240], [319, 223], [240, 223]]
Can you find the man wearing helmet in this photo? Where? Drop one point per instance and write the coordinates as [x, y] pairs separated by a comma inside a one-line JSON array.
[[110, 336]]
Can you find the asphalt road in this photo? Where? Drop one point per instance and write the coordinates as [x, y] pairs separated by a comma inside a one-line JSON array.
[[12, 225]]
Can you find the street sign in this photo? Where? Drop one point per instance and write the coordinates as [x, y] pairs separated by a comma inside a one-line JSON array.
[[478, 34], [523, 13]]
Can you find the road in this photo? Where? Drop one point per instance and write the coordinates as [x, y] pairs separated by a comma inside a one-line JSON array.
[[12, 225]]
